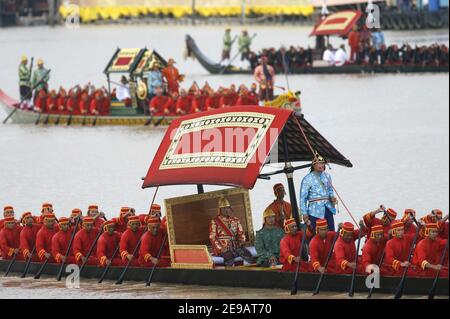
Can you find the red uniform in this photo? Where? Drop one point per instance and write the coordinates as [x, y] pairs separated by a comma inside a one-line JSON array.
[[246, 99], [370, 220], [429, 251], [319, 249], [28, 240], [95, 106], [98, 222], [106, 247], [372, 252], [121, 224], [150, 248], [60, 243], [345, 253], [44, 242], [212, 102], [184, 104], [105, 106], [83, 106], [10, 240], [159, 105], [227, 99], [289, 248], [410, 229], [82, 244], [61, 105], [40, 103], [198, 104], [397, 251], [128, 244], [72, 106], [51, 104], [172, 77]]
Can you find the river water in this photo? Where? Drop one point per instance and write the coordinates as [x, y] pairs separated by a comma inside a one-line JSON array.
[[394, 129]]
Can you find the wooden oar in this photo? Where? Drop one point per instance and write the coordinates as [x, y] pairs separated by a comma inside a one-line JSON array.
[[22, 99], [38, 275], [441, 262], [69, 120], [46, 119], [149, 280], [84, 119], [351, 291], [234, 58], [38, 119], [160, 121], [135, 250], [27, 266], [94, 123], [58, 119], [69, 248], [122, 276], [11, 263], [91, 249], [108, 266], [401, 285], [330, 253], [295, 283]]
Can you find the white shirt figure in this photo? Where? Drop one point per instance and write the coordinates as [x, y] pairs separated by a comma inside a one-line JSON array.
[[341, 57], [328, 56], [123, 92]]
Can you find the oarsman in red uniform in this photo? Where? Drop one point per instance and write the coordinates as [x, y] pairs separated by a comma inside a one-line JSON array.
[[61, 101], [198, 102], [8, 211], [373, 249], [345, 250], [212, 101], [155, 211], [183, 103], [434, 217], [107, 244], [130, 239], [320, 246], [397, 249], [428, 253], [96, 103], [51, 102], [408, 221], [290, 247], [40, 103], [44, 237], [74, 216], [99, 217], [10, 239], [122, 221], [370, 220], [28, 236], [73, 103], [106, 104], [159, 104], [60, 242], [84, 239], [281, 208], [171, 106], [227, 98], [245, 98], [84, 103], [47, 208], [151, 244]]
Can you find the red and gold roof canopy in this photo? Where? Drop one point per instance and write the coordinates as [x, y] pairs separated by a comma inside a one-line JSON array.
[[339, 23], [230, 146]]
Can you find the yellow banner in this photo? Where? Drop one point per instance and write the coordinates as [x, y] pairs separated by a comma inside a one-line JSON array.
[[91, 10]]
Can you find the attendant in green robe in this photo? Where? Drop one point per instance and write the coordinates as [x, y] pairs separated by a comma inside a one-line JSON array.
[[268, 241], [227, 44], [39, 74], [24, 79], [244, 44]]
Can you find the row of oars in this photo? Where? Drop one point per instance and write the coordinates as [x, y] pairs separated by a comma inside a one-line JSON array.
[[398, 291]]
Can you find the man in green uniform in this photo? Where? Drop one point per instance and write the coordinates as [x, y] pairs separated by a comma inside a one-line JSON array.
[[227, 44], [39, 74], [24, 79], [268, 241], [244, 43]]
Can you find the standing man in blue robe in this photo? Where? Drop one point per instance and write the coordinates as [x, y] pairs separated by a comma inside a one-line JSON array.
[[317, 199]]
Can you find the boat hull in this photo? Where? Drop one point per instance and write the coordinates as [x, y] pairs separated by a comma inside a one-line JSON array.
[[244, 278], [29, 117], [216, 68]]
